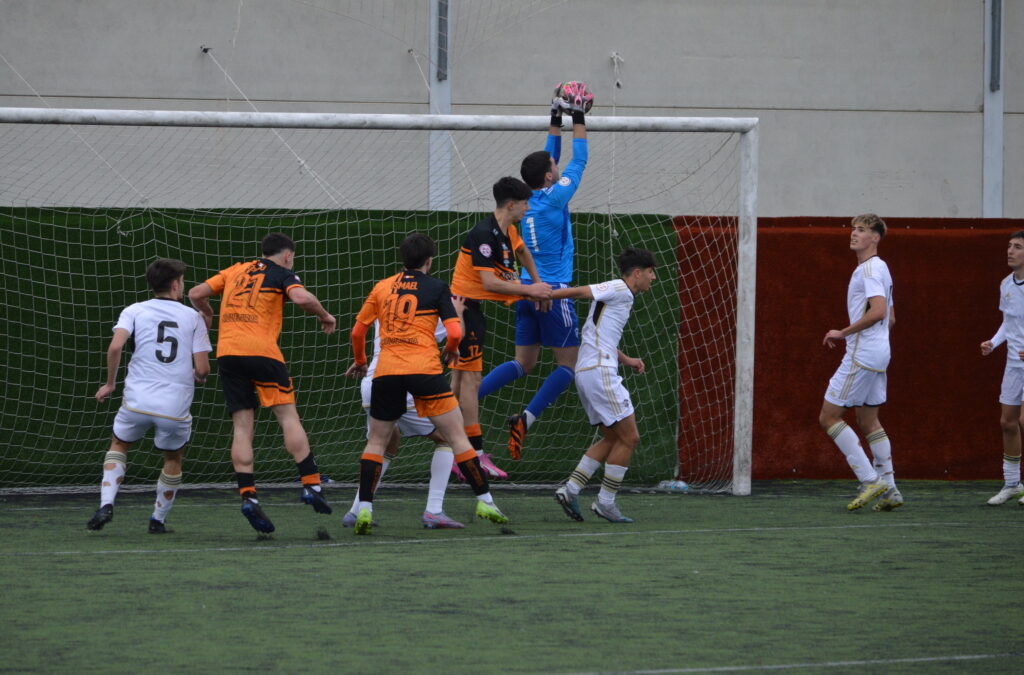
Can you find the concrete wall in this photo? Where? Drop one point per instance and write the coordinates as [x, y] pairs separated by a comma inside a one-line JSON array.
[[865, 104]]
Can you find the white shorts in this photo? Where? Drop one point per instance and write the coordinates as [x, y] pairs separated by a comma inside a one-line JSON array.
[[409, 425], [853, 386], [603, 396], [170, 434], [1012, 392]]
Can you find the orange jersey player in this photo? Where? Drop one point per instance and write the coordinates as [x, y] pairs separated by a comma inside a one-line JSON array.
[[251, 367], [408, 306]]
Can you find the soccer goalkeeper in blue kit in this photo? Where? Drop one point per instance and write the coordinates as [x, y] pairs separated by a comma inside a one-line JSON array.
[[546, 229]]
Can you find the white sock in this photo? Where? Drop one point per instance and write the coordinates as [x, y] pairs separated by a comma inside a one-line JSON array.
[[486, 498], [1011, 471], [383, 467], [166, 490], [530, 418], [881, 452], [849, 445], [440, 468], [365, 505], [113, 473], [581, 474], [613, 475]]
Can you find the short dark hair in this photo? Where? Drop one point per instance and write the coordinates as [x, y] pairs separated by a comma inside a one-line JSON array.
[[872, 222], [534, 167], [162, 271], [275, 242], [633, 258], [415, 249], [510, 188], [1019, 234]]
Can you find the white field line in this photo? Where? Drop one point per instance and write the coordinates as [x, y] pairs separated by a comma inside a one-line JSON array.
[[269, 547]]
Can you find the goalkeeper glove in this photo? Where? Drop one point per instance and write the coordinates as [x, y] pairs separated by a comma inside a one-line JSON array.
[[558, 105], [579, 99]]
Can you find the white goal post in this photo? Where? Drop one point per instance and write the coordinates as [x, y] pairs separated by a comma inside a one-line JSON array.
[[78, 184]]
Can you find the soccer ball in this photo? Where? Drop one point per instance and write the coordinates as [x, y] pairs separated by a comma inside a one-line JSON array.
[[576, 94]]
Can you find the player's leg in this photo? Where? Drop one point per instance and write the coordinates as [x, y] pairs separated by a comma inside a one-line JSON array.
[[296, 442], [1010, 396], [527, 341], [441, 463], [387, 404], [624, 437], [114, 466], [567, 495], [167, 486], [390, 452], [881, 456]]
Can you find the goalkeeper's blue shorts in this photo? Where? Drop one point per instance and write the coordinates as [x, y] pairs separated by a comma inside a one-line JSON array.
[[559, 327]]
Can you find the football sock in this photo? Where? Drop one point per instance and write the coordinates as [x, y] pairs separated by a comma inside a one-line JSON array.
[[555, 383], [476, 438], [849, 445], [1011, 470], [308, 472], [881, 452], [369, 474], [440, 468], [469, 463], [246, 485], [383, 469], [113, 473], [500, 376], [166, 490], [612, 481], [581, 474]]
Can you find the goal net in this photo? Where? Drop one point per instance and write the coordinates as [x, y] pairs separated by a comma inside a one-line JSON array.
[[89, 198]]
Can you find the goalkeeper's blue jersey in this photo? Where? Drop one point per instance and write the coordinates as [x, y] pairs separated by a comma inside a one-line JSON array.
[[546, 228]]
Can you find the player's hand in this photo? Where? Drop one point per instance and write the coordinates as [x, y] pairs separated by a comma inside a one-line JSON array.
[[356, 371], [328, 323], [578, 97], [986, 347], [459, 303], [449, 358], [198, 380], [558, 102], [636, 364], [832, 338], [104, 392], [543, 305], [538, 290]]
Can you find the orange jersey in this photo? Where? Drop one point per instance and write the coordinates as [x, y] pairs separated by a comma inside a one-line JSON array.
[[486, 249], [251, 310], [408, 306]]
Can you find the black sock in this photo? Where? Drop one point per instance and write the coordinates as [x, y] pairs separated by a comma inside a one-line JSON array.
[[369, 474], [475, 476]]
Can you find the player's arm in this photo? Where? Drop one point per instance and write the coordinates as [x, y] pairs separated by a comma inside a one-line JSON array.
[[451, 318], [999, 338], [199, 296], [636, 364], [892, 317], [492, 284], [200, 366], [526, 258], [874, 313], [308, 303], [572, 292], [113, 363], [368, 313]]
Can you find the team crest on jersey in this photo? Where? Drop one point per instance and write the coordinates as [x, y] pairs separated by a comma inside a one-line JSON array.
[[602, 287], [485, 250], [564, 180]]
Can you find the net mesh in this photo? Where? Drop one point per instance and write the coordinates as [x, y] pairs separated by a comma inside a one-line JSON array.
[[84, 209]]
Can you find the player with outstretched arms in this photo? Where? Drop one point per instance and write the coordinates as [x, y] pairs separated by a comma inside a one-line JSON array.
[[408, 306], [1011, 331], [546, 229], [410, 425], [170, 356], [860, 381], [251, 366], [604, 398], [485, 270]]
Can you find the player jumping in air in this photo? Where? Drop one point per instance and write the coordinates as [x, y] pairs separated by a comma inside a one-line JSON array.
[[252, 368], [860, 380], [408, 306], [546, 229], [170, 356], [605, 400], [1011, 304]]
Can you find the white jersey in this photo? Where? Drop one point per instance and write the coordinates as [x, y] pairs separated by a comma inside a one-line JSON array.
[[1011, 304], [440, 334], [602, 331], [166, 334], [869, 348]]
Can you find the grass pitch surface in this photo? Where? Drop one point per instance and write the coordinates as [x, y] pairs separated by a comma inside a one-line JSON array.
[[786, 579]]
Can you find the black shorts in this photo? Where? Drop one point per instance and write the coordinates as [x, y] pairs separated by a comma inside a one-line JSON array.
[[431, 393], [471, 348], [251, 381]]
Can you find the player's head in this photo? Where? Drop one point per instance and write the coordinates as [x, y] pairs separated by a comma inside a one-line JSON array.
[[637, 267], [166, 277], [280, 248], [1015, 251], [417, 250], [539, 170], [511, 197], [867, 231]]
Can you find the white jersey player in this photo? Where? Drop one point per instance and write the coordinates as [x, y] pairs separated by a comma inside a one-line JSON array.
[[860, 380], [605, 399], [1011, 304], [411, 425], [171, 354]]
